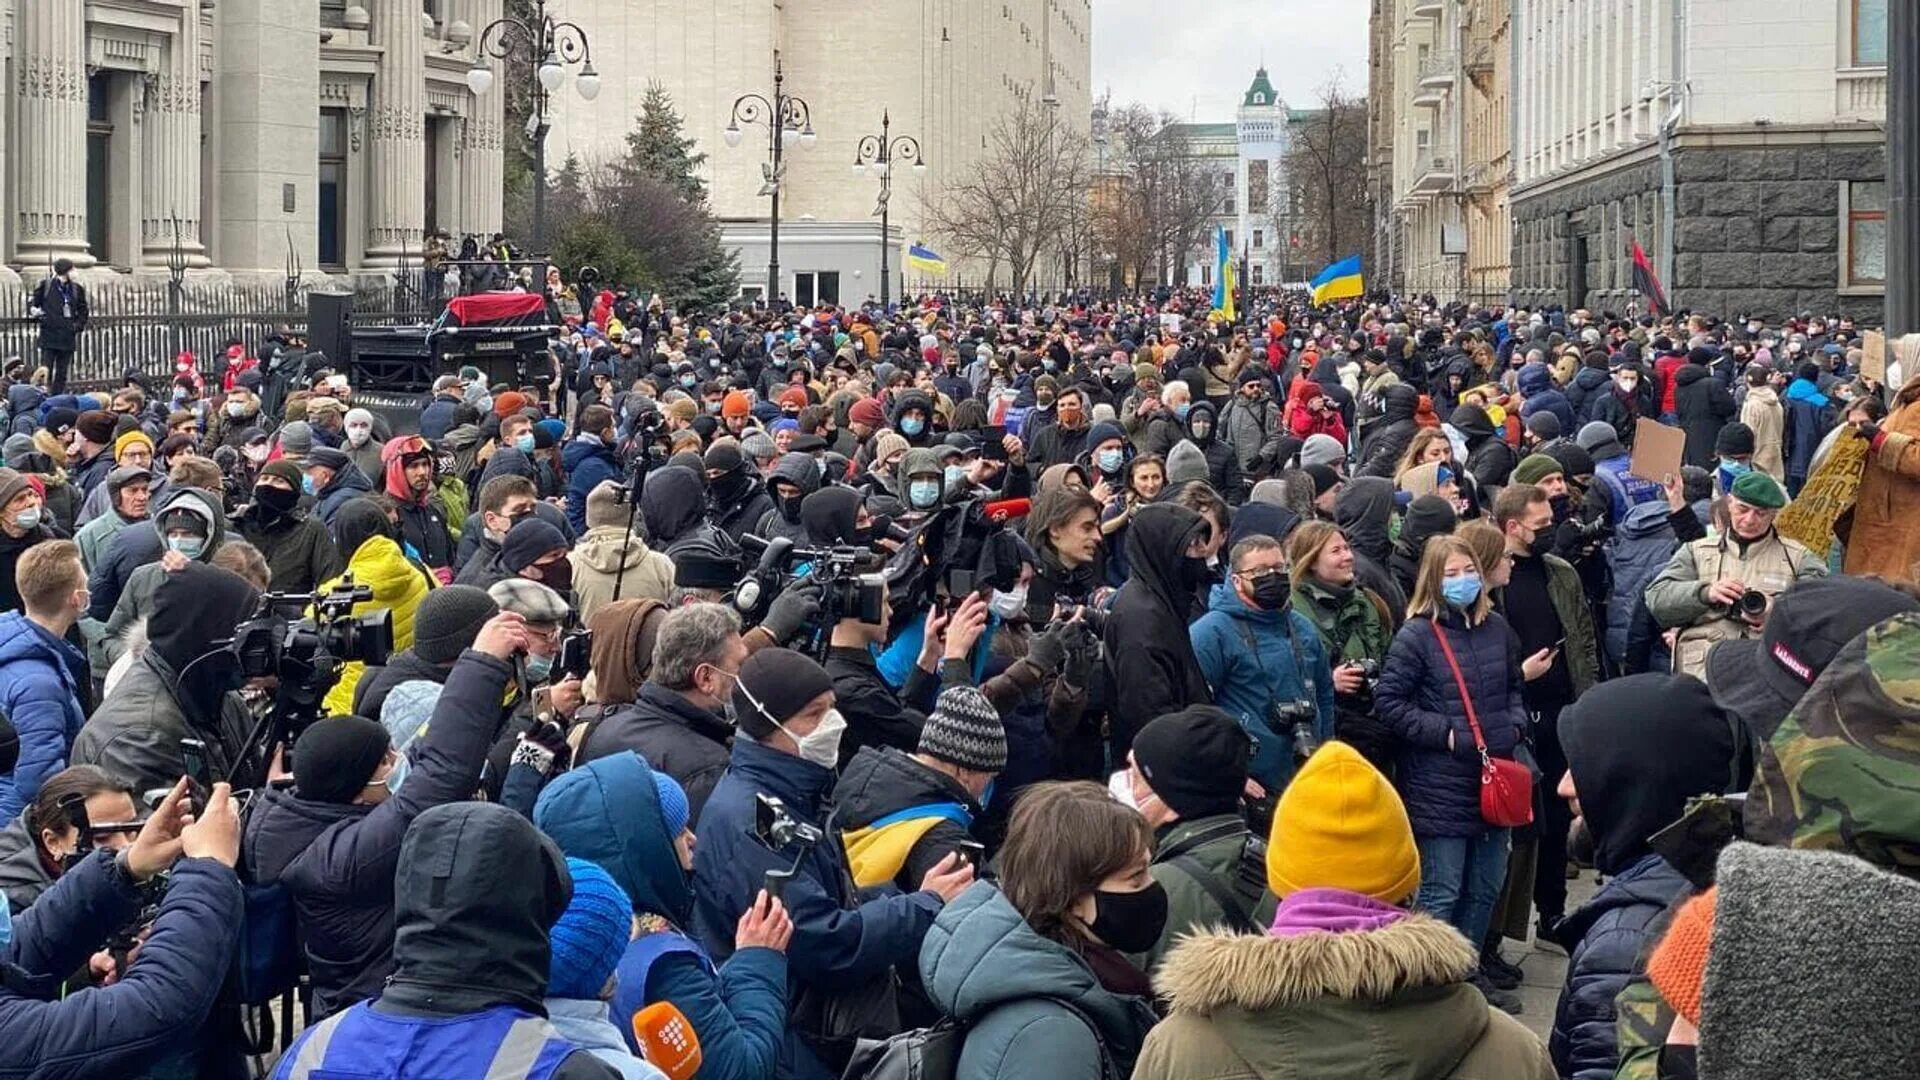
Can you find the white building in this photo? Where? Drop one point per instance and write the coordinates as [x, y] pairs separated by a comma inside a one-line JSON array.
[[944, 72], [1259, 212], [246, 129], [1767, 192]]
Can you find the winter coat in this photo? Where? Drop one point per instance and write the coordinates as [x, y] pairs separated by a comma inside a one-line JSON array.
[[881, 782], [10, 550], [1886, 532], [370, 694], [876, 713], [1490, 461], [96, 537], [1809, 415], [398, 584], [1302, 422], [437, 418], [673, 734], [1419, 699], [1763, 413], [1609, 935], [1620, 490], [1149, 657], [23, 875], [603, 554], [743, 510], [135, 733], [509, 461], [155, 1012], [1223, 468], [839, 945], [1252, 429], [1621, 414], [299, 553], [1535, 382], [589, 1026], [1197, 860], [589, 464], [41, 680], [1588, 383], [1391, 1001], [1389, 438], [1640, 549], [347, 484], [1030, 1006], [1770, 565], [1364, 512], [1055, 445], [135, 599], [608, 813], [1703, 407], [1255, 660]]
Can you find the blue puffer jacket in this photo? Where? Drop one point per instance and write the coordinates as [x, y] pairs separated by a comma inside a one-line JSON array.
[[1290, 665], [1607, 937], [588, 465], [1587, 382], [437, 418], [1419, 700], [608, 813], [1809, 415], [40, 678], [1536, 383], [1639, 551]]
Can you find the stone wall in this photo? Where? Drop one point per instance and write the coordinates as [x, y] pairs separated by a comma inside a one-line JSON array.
[[1756, 229]]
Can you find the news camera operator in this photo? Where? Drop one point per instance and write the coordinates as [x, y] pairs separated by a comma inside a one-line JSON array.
[[879, 715], [333, 839], [152, 1012]]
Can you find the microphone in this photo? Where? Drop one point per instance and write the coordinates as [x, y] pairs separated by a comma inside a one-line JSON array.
[[666, 1039], [999, 513]]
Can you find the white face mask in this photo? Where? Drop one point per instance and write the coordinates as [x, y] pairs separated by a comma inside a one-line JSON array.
[[358, 435], [1008, 605], [822, 747]]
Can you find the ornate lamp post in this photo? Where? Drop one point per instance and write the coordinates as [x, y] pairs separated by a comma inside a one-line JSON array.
[[176, 282], [549, 48], [879, 152], [782, 114]]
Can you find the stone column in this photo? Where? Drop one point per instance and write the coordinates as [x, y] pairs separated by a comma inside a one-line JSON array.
[[399, 163], [50, 117], [171, 150], [480, 151]]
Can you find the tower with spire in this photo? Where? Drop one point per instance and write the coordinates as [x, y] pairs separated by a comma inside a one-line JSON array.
[[1265, 226]]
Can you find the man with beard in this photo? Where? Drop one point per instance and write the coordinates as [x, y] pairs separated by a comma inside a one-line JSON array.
[[1250, 425], [409, 464], [299, 553]]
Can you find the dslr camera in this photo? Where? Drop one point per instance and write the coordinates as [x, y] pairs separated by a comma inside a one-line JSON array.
[[1296, 716], [776, 828]]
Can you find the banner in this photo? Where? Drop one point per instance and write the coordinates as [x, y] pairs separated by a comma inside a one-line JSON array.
[[1829, 492]]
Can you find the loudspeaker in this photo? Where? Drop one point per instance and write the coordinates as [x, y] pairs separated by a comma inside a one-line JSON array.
[[330, 327]]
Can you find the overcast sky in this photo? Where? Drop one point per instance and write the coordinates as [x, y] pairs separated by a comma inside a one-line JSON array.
[[1172, 55]]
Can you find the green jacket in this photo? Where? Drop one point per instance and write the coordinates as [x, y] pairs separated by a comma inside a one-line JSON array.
[[1353, 628], [1576, 618], [1222, 840], [1389, 1002]]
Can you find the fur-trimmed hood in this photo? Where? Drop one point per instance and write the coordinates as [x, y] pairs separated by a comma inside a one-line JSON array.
[[1208, 971]]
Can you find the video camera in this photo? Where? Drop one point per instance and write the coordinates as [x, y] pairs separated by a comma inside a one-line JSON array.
[[851, 586], [776, 828]]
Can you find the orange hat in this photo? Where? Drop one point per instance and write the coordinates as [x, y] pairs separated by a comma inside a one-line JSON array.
[[505, 405], [794, 397], [1678, 966], [736, 404]]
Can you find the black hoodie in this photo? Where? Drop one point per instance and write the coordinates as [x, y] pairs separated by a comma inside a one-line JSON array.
[[1389, 437], [1364, 512], [1149, 657], [672, 503]]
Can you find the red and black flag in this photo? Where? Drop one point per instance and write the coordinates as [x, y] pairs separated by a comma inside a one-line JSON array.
[[1646, 284]]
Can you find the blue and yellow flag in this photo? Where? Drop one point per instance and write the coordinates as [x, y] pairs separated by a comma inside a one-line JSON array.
[[1224, 275], [1339, 281], [922, 258]]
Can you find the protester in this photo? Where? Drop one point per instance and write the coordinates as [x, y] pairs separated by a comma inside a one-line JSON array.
[[299, 552], [607, 554], [43, 678], [1150, 658]]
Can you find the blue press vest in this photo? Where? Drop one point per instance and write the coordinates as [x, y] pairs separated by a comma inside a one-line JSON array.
[[502, 1043]]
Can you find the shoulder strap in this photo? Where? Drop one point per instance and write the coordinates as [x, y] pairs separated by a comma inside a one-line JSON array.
[[1230, 905], [1109, 1069], [1460, 680]]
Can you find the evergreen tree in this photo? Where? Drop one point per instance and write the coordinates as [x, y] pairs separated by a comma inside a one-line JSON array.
[[656, 148], [713, 279]]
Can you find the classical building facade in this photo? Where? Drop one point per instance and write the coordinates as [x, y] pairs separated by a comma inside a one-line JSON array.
[[1424, 113], [1486, 156], [944, 72], [1738, 141], [236, 134]]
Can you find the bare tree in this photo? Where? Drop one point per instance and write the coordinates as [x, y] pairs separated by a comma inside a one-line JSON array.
[[1023, 197], [1327, 177], [1155, 194]]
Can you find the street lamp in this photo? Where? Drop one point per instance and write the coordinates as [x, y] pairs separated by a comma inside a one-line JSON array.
[[782, 114], [549, 48], [877, 152]]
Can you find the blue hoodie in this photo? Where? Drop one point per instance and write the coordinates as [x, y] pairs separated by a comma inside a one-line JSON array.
[[1808, 418], [608, 813], [1290, 665]]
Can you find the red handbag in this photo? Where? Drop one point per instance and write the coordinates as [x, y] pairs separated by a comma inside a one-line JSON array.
[[1506, 786]]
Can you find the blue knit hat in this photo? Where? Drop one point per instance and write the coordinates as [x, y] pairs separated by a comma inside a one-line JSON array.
[[673, 803], [590, 936]]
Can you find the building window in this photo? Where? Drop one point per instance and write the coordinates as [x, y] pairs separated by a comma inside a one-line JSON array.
[[1259, 239], [435, 128], [812, 288], [1865, 208], [333, 14], [1206, 273], [1229, 239], [1259, 274], [99, 161], [1869, 33], [1256, 183], [333, 187]]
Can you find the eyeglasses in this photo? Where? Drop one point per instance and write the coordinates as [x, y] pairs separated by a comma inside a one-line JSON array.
[[1261, 574]]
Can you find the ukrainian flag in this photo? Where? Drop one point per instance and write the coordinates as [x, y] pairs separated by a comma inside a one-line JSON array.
[[923, 259], [1339, 281], [1224, 275]]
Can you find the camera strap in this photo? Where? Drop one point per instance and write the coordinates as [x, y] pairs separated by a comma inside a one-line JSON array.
[[1293, 647]]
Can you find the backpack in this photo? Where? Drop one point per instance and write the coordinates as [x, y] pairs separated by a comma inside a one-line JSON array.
[[933, 1053]]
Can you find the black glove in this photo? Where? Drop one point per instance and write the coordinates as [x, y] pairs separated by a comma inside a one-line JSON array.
[[544, 748], [1868, 430], [794, 608], [1048, 649]]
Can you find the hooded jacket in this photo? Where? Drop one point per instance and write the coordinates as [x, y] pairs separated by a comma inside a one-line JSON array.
[[589, 463], [608, 813], [604, 553], [673, 502], [1030, 1007], [1149, 656], [1390, 437], [1535, 382], [1703, 407], [803, 472], [347, 485], [1255, 660], [1303, 422], [913, 399], [398, 584], [1364, 512], [884, 781], [41, 679], [1223, 468], [299, 552], [1490, 461], [136, 599], [338, 860], [422, 520], [136, 547], [1588, 384], [1640, 549], [1389, 1001]]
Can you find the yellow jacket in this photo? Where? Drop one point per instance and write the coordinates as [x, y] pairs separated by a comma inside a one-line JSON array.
[[398, 585]]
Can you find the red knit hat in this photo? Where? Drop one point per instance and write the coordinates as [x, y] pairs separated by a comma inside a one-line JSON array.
[[795, 398], [736, 403], [506, 404], [868, 411]]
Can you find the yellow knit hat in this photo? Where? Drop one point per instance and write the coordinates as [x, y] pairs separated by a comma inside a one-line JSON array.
[[128, 438], [1340, 825]]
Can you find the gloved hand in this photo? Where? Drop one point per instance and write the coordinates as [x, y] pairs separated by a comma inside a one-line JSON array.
[[794, 608], [1048, 649], [1868, 430], [544, 748], [1083, 650]]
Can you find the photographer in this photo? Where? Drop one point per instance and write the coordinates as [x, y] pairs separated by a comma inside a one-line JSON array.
[[334, 839], [1355, 628], [150, 1014], [878, 715], [179, 688], [1722, 588]]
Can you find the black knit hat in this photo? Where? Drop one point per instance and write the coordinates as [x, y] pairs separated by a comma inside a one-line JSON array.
[[1324, 478], [1735, 438], [964, 729], [529, 539], [448, 620], [775, 684], [335, 758], [1195, 760]]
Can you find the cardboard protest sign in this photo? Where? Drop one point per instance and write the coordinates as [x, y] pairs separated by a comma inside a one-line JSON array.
[[1657, 450], [1873, 356]]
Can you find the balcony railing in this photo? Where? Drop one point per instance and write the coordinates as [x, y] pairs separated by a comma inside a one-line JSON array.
[[1434, 169], [1861, 94], [1439, 69]]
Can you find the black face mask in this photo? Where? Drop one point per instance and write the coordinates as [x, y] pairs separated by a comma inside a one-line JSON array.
[[1131, 922], [1562, 507], [1273, 592], [790, 507], [274, 502], [1195, 572], [1541, 544], [558, 576]]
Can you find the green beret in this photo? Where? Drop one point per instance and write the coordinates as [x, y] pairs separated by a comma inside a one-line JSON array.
[[1759, 489]]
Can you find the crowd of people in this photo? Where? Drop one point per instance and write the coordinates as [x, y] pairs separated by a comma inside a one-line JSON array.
[[1052, 687]]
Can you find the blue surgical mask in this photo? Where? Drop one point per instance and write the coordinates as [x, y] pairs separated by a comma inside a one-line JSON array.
[[523, 442], [398, 774], [539, 667], [912, 425], [306, 483], [190, 546], [688, 381], [986, 793], [780, 361], [923, 494], [1180, 410], [1461, 591], [1735, 468], [28, 518], [956, 476], [1110, 460]]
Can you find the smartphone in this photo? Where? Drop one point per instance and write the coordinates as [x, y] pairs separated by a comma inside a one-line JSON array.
[[992, 439], [193, 755], [959, 587], [1559, 646], [542, 699], [972, 853]]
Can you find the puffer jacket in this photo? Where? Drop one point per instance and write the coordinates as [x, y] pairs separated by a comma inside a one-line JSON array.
[[1587, 385], [347, 485], [1255, 660], [1419, 699], [1809, 415], [1610, 932], [1642, 547], [1536, 386], [41, 679], [882, 781], [398, 584], [1703, 407], [589, 464], [1031, 1006], [604, 554], [1303, 422]]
